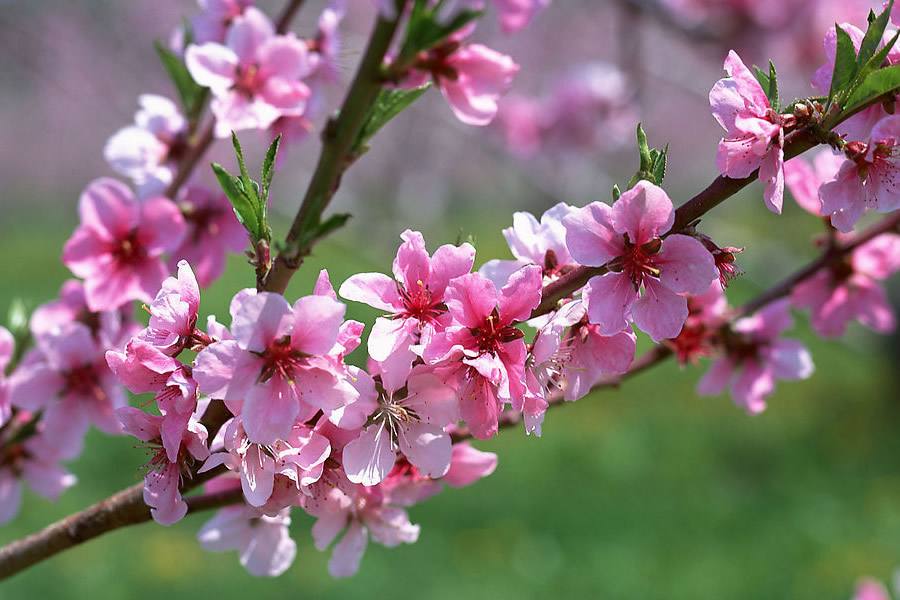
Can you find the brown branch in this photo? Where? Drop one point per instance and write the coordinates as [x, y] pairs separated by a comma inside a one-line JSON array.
[[338, 138], [119, 510]]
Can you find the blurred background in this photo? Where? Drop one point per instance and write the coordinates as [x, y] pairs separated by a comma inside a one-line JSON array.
[[643, 492]]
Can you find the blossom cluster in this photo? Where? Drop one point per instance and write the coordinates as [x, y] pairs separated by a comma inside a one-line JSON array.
[[273, 405]]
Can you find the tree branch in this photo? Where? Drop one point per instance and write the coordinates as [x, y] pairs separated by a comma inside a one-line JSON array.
[[336, 156]]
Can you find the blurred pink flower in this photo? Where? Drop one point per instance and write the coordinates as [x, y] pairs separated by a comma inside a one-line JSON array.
[[118, 247]]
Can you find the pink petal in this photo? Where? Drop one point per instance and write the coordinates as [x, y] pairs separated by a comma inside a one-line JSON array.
[[212, 65], [248, 33], [608, 299], [109, 208], [427, 447], [269, 411], [643, 212], [521, 294], [257, 476], [468, 465], [686, 266], [348, 552], [659, 312], [317, 321], [369, 458], [261, 319], [590, 236], [412, 265], [271, 550], [471, 298], [447, 263], [771, 173], [375, 289], [789, 359], [162, 227]]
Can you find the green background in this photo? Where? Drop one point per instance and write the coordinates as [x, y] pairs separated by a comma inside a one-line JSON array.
[[644, 492]]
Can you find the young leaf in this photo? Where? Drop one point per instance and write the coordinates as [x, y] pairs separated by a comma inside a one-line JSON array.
[[268, 167], [876, 83], [874, 34], [425, 30], [189, 92], [763, 78], [643, 149], [244, 209], [388, 105], [616, 192], [246, 182], [658, 167], [844, 62], [772, 89], [324, 228]]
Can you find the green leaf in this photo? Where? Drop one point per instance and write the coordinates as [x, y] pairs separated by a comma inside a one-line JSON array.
[[762, 77], [616, 192], [388, 105], [246, 182], [844, 63], [643, 149], [189, 92], [772, 90], [244, 208], [658, 165], [874, 34], [425, 30], [324, 228], [877, 83], [268, 167]]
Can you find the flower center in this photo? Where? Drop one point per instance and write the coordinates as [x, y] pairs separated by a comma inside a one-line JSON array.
[[84, 382], [129, 250], [247, 80], [638, 261], [280, 359], [418, 303], [492, 334]]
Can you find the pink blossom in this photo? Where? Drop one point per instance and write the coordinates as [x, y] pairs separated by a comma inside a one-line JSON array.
[[173, 313], [411, 417], [534, 242], [870, 589], [34, 463], [111, 328], [147, 152], [7, 348], [522, 121], [482, 353], [263, 542], [254, 77], [471, 77], [626, 238], [468, 465], [297, 461], [868, 179], [326, 46], [414, 298], [850, 289], [143, 368], [359, 512], [66, 377], [755, 357], [163, 480], [274, 371], [586, 356], [118, 247], [754, 136], [216, 16], [212, 232], [514, 15], [804, 180], [706, 314]]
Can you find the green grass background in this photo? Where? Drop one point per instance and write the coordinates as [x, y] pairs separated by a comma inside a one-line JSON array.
[[644, 492]]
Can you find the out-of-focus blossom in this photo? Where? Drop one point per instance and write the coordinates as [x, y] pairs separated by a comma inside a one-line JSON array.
[[262, 541], [851, 290], [215, 17], [626, 238], [212, 232], [35, 463], [7, 348], [707, 313], [254, 77], [755, 356], [804, 180], [147, 152], [118, 247], [67, 378]]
